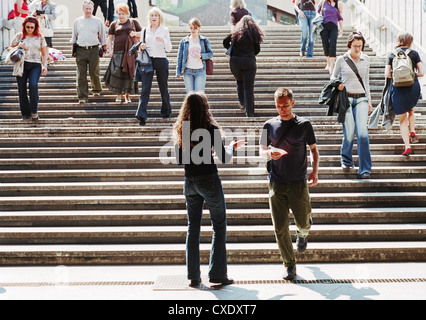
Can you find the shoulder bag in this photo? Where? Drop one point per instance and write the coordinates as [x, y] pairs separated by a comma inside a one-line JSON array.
[[209, 62], [352, 65]]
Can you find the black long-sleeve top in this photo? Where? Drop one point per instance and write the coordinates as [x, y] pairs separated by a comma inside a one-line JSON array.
[[198, 160], [244, 47]]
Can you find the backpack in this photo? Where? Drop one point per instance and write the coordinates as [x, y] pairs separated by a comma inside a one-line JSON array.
[[402, 69]]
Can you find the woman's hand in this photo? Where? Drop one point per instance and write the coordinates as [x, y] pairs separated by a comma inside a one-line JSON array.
[[341, 87], [370, 107], [44, 71], [237, 144]]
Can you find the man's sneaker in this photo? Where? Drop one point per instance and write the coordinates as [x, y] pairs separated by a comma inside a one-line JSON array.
[[291, 274], [347, 168], [302, 243]]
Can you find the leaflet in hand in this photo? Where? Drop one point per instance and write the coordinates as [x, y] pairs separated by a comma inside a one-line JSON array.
[[281, 151]]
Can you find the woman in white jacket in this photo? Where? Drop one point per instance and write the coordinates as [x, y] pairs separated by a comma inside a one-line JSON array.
[[45, 12]]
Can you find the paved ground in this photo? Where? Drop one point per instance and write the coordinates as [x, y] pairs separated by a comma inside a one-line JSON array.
[[253, 282]]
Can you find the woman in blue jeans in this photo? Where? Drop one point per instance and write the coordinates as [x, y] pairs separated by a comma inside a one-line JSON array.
[[156, 41], [35, 65], [194, 50], [307, 13], [195, 133], [356, 116]]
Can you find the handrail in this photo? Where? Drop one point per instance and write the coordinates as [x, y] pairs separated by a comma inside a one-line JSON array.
[[377, 29]]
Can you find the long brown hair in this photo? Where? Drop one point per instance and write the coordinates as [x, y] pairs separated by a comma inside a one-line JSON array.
[[196, 110], [36, 24], [404, 39], [247, 27]]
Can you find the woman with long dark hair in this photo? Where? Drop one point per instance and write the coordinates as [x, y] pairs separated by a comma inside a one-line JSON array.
[[195, 133], [35, 64], [245, 42]]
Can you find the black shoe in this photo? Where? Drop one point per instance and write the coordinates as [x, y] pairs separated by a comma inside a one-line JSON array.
[[302, 243], [35, 119], [142, 121], [291, 274], [224, 281], [195, 283]]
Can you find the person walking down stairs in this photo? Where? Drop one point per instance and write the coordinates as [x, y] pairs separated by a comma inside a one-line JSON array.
[[121, 37], [33, 65], [88, 34], [283, 141], [155, 39], [353, 70]]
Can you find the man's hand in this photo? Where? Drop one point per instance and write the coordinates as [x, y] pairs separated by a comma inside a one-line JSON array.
[[314, 178]]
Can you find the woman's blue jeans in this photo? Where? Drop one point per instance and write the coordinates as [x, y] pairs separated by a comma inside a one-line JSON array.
[[356, 123], [307, 28], [161, 68], [195, 80], [199, 190], [29, 80]]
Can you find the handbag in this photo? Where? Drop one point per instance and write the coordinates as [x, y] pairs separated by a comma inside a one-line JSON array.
[[280, 140], [17, 55], [45, 27], [209, 63], [143, 58]]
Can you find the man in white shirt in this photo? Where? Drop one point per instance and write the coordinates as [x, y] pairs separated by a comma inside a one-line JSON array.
[[88, 35]]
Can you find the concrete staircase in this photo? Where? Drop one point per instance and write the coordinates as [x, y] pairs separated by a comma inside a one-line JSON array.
[[88, 185]]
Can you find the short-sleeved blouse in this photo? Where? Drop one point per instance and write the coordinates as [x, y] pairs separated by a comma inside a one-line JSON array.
[[33, 47]]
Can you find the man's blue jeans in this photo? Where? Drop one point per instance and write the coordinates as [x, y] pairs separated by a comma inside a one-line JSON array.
[[29, 80], [195, 80], [356, 123], [307, 29], [199, 190]]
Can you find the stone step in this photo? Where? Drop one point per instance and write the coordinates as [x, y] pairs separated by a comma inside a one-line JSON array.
[[162, 162], [220, 110], [164, 141], [176, 187], [152, 151], [235, 217], [233, 201], [173, 174], [158, 254], [177, 234]]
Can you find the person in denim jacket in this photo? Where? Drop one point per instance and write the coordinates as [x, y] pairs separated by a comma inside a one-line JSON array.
[[194, 50]]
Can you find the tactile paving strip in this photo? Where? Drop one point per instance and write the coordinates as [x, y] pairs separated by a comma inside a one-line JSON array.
[[181, 283]]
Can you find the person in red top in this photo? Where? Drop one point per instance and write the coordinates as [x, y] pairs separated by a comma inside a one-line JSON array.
[[21, 11], [21, 8]]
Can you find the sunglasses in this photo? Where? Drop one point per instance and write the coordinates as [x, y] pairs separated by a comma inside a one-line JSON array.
[[29, 27]]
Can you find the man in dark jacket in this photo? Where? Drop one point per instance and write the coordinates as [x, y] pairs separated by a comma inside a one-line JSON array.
[[111, 10]]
